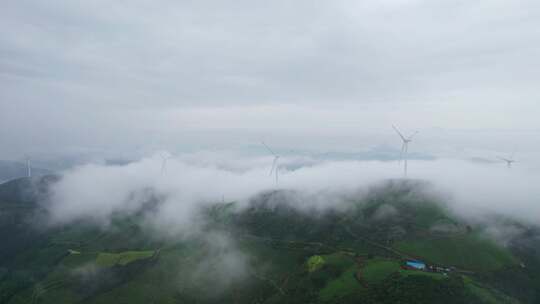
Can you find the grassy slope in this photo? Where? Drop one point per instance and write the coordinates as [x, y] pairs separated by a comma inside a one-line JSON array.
[[468, 252], [157, 284], [377, 270], [485, 294], [107, 259], [345, 283]]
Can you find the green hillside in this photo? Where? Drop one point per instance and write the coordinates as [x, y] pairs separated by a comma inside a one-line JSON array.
[[467, 252], [269, 252]]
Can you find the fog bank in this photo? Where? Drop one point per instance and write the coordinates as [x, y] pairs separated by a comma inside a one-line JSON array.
[[187, 183]]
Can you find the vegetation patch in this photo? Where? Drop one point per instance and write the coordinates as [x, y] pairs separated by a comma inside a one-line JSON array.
[[338, 260], [105, 259], [468, 252], [425, 215], [345, 285], [433, 275], [485, 294], [377, 270], [315, 262], [341, 277]]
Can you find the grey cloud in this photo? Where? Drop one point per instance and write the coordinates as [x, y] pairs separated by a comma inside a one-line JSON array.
[[107, 77]]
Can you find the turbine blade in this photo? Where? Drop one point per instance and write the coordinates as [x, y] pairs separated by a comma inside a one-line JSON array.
[[268, 148], [412, 135], [399, 133]]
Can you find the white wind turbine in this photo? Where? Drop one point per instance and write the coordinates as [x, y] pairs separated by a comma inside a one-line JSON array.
[[28, 167], [274, 163], [164, 158], [510, 160], [404, 147]]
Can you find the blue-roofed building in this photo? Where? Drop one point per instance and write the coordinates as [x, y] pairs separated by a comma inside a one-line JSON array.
[[416, 265]]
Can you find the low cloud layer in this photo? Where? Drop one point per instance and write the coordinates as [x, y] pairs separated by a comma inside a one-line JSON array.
[[98, 192]]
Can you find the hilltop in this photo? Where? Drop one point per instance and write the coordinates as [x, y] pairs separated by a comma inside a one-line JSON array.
[[10, 170]]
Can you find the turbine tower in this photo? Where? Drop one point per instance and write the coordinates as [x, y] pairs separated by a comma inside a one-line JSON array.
[[28, 167], [274, 163], [404, 148], [510, 160], [164, 158]]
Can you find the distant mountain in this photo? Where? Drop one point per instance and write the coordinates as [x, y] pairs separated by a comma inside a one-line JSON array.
[[483, 160], [11, 170], [381, 153]]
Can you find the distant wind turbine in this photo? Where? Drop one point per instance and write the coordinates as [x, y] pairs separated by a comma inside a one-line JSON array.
[[510, 160], [404, 148], [164, 158], [274, 163], [28, 167]]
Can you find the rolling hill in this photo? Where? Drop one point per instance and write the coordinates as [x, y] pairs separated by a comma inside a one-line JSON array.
[[267, 252]]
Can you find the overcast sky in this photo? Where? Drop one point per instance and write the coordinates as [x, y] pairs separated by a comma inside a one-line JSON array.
[[128, 77]]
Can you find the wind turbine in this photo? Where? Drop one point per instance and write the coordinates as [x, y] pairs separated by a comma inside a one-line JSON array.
[[510, 160], [28, 167], [404, 147], [274, 163], [164, 158]]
